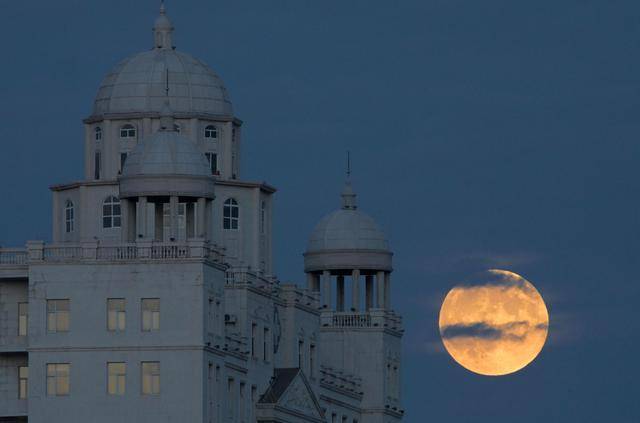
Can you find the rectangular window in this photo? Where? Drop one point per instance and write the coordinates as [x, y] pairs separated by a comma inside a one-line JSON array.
[[96, 165], [254, 333], [150, 314], [334, 418], [241, 401], [116, 378], [58, 379], [150, 377], [344, 419], [265, 344], [23, 318], [123, 159], [58, 315], [116, 314], [23, 382], [231, 398], [212, 158]]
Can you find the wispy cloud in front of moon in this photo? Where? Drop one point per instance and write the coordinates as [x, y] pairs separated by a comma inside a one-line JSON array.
[[494, 325]]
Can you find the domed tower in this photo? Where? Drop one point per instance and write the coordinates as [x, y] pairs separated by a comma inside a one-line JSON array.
[[349, 243], [363, 340], [161, 129], [130, 99], [166, 188]]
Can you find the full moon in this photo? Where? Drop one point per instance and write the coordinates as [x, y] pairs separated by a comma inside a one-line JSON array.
[[496, 325]]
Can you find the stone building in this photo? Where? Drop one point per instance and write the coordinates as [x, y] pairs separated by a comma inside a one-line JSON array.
[[155, 300]]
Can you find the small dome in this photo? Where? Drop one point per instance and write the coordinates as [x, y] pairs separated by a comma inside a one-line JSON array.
[[347, 239], [347, 229], [166, 153], [166, 163]]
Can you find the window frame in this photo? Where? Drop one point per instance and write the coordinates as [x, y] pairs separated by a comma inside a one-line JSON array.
[[111, 220], [97, 134], [119, 315], [53, 310], [23, 318], [154, 322], [154, 374], [56, 376], [211, 132], [119, 378], [23, 382], [212, 159], [228, 219], [128, 131], [69, 216]]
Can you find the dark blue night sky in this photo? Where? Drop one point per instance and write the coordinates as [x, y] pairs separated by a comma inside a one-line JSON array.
[[492, 133]]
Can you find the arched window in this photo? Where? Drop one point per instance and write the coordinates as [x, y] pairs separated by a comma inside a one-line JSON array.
[[111, 212], [128, 131], [68, 216], [230, 214], [211, 132], [98, 133]]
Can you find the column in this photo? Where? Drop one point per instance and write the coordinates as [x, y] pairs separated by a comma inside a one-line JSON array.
[[173, 217], [369, 292], [355, 290], [387, 290], [201, 213], [380, 290], [208, 220], [141, 217], [326, 289], [340, 293], [311, 282], [126, 220]]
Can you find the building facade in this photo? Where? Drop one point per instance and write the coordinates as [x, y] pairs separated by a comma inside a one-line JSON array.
[[156, 300]]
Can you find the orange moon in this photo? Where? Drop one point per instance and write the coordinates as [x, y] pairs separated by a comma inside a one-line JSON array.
[[495, 326]]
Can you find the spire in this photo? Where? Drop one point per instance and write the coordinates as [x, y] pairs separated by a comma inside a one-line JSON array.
[[167, 122], [348, 196], [163, 30]]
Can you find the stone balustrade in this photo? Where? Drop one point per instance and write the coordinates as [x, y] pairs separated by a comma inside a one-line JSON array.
[[374, 318], [38, 251]]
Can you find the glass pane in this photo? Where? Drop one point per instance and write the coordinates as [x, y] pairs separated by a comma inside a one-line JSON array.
[[62, 305], [51, 385], [156, 384], [22, 326], [62, 321], [146, 320], [106, 222], [227, 211], [116, 209], [116, 222], [234, 224], [121, 320], [156, 320], [146, 384], [111, 320], [121, 385], [112, 384], [227, 223], [234, 212], [106, 210], [51, 322], [51, 305]]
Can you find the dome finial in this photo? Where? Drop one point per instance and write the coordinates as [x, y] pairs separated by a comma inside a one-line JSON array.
[[167, 122], [348, 196], [163, 30]]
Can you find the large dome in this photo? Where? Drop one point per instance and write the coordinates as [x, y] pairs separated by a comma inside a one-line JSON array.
[[138, 84]]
